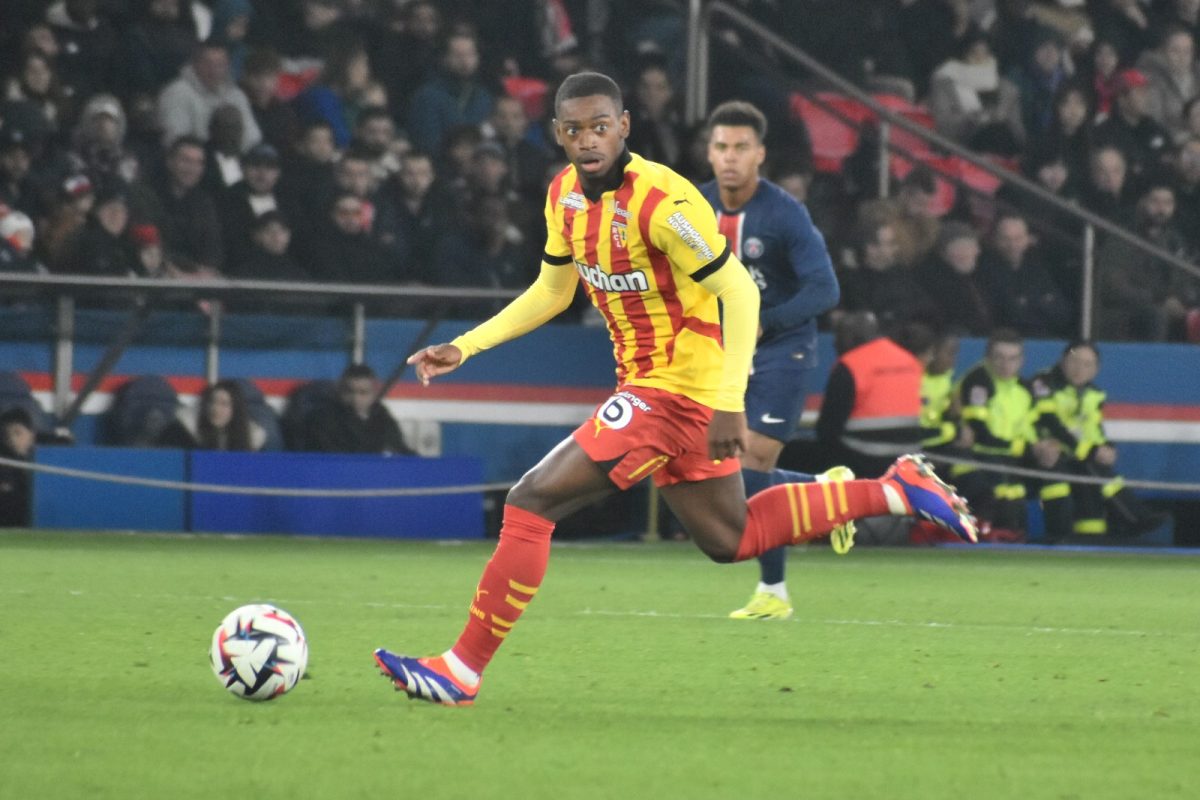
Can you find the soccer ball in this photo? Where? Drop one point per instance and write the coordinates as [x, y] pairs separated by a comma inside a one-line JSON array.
[[259, 652]]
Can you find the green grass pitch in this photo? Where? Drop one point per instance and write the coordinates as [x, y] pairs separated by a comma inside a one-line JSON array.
[[906, 674]]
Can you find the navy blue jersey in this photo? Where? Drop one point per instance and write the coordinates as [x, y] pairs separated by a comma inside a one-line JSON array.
[[774, 236]]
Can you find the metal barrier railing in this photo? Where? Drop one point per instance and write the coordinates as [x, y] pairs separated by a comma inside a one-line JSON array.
[[702, 13], [143, 294]]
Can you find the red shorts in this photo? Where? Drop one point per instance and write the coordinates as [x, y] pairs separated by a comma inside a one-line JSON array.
[[641, 431]]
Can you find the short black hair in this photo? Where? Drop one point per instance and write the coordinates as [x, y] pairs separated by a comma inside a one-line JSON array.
[[1080, 344], [186, 140], [356, 371], [1004, 336], [588, 84], [739, 113], [372, 113]]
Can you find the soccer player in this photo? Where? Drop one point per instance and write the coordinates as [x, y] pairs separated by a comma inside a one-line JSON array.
[[774, 237], [646, 247]]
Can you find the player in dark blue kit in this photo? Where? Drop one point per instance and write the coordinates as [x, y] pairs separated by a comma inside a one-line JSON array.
[[775, 238]]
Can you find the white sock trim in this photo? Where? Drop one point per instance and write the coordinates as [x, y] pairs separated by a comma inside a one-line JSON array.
[[896, 504], [462, 672], [777, 589]]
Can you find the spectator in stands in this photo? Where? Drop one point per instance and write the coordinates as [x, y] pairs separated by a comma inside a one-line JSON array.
[[1070, 133], [358, 422], [69, 214], [36, 83], [1130, 128], [910, 214], [99, 141], [974, 105], [1109, 192], [247, 200], [223, 152], [1182, 13], [18, 190], [489, 251], [260, 81], [308, 174], [453, 96], [1187, 193], [151, 258], [879, 283], [375, 136], [16, 243], [16, 442], [404, 49], [221, 423], [230, 24], [344, 251], [458, 153], [1125, 24], [337, 97], [87, 45], [187, 103], [267, 258], [155, 47], [1099, 74], [1139, 297], [101, 246], [657, 130], [1018, 287], [1174, 79], [949, 277], [526, 160], [353, 175], [1038, 79], [421, 215], [186, 213]]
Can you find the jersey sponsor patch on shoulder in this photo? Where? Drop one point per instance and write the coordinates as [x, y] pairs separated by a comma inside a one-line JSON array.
[[690, 236], [572, 200]]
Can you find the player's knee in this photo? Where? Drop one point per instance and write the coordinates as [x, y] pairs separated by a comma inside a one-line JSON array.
[[720, 548]]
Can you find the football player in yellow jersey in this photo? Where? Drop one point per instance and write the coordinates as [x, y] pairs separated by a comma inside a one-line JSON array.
[[645, 245]]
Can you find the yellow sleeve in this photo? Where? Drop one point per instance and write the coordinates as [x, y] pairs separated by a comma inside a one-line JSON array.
[[545, 299], [738, 293]]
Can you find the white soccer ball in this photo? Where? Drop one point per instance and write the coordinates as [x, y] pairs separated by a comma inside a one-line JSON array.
[[259, 652]]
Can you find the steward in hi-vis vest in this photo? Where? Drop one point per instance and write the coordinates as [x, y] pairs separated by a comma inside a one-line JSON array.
[[1069, 409]]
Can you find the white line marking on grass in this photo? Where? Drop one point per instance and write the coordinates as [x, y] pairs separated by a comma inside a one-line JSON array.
[[897, 623]]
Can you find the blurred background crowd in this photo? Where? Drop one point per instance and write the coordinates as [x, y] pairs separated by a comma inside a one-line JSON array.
[[408, 142]]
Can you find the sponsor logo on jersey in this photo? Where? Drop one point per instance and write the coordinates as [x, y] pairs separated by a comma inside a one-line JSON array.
[[753, 247], [691, 237], [619, 282], [572, 200], [618, 211]]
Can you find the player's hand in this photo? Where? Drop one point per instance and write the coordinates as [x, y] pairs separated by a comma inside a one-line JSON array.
[[727, 434], [435, 360], [1106, 455]]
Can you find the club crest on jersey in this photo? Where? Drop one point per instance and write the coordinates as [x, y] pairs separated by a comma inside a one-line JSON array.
[[691, 237], [753, 247], [620, 235], [572, 200], [615, 282]]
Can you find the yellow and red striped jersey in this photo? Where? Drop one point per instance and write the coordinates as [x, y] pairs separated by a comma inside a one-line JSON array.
[[640, 251]]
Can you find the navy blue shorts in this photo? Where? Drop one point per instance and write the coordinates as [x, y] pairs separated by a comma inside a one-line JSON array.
[[776, 392]]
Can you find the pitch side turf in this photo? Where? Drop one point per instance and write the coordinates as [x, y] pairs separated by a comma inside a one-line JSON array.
[[906, 674]]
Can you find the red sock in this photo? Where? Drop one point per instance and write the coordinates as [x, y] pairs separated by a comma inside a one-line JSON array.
[[796, 512], [509, 582]]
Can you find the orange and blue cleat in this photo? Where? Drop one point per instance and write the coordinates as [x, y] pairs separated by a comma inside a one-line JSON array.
[[927, 496], [428, 679]]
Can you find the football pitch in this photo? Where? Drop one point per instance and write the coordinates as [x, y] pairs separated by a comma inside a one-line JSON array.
[[942, 673]]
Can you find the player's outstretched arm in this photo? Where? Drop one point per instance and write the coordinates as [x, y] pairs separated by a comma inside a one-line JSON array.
[[435, 360]]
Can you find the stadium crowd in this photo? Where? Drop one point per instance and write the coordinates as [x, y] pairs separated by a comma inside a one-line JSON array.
[[406, 142]]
